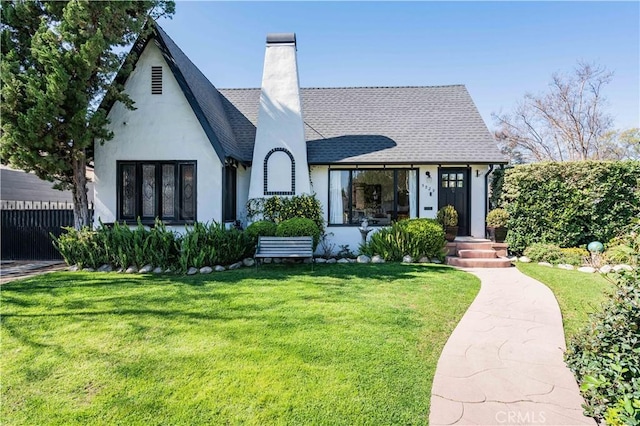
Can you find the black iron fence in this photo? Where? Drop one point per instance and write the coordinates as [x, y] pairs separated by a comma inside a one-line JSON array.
[[27, 225]]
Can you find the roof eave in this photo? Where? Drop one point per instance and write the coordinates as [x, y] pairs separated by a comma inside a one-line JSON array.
[[186, 90], [403, 163]]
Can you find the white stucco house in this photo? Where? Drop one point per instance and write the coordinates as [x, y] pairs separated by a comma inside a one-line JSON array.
[[192, 152]]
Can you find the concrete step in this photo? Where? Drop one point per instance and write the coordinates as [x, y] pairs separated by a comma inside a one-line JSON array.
[[488, 245], [477, 254], [500, 262]]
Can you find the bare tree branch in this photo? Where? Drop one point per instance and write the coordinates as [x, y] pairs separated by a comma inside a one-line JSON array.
[[568, 122]]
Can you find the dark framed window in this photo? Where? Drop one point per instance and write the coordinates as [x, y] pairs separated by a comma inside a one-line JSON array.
[[230, 183], [378, 195], [157, 189]]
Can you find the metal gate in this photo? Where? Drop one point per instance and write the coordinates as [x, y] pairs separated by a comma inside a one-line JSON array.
[[27, 225]]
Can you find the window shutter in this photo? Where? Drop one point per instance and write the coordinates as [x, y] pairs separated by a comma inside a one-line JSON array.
[[156, 80]]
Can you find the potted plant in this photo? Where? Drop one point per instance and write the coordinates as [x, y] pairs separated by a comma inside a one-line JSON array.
[[497, 225], [448, 218]]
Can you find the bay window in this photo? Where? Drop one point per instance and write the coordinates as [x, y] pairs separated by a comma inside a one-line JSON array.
[[157, 189], [378, 195]]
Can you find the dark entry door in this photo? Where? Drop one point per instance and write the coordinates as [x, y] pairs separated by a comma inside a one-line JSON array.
[[454, 189]]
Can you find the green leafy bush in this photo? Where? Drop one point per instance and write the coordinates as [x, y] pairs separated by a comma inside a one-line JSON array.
[[415, 237], [119, 245], [277, 209], [299, 227], [261, 228], [542, 252], [447, 216], [497, 218], [497, 180], [80, 247], [569, 204], [604, 357], [621, 248], [213, 244], [575, 256]]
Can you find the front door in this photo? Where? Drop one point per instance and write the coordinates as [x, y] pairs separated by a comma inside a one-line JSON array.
[[453, 185]]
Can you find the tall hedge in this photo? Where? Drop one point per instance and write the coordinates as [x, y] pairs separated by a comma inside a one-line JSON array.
[[570, 203]]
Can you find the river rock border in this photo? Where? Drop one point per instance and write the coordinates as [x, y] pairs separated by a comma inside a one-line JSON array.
[[249, 262], [604, 269]]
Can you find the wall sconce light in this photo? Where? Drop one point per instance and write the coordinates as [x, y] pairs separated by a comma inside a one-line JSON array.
[[477, 172], [427, 174]]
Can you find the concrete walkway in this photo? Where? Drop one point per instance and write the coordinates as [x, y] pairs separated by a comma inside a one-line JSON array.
[[11, 270], [503, 364]]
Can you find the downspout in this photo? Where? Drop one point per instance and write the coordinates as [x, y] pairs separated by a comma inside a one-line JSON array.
[[486, 193]]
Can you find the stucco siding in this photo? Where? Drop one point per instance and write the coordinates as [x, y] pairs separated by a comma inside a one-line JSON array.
[[163, 127]]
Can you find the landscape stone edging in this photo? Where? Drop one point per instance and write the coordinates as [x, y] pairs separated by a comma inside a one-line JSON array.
[[249, 262], [604, 269]]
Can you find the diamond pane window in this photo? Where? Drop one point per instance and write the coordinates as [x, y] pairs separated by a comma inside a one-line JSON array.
[[157, 189], [168, 190], [128, 191], [148, 190], [188, 189]]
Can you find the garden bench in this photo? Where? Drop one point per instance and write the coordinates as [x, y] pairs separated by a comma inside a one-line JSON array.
[[284, 247]]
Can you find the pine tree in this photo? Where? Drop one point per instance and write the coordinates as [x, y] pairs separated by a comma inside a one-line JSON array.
[[58, 62]]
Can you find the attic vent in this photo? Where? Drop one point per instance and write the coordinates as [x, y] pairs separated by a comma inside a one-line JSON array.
[[156, 80]]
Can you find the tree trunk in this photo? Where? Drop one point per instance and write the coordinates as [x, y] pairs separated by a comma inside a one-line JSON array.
[[79, 191]]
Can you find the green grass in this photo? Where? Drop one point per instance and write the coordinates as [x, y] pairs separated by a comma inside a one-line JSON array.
[[579, 294], [344, 344]]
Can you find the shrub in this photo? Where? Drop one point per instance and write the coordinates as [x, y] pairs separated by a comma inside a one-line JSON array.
[[278, 209], [621, 249], [119, 245], [618, 253], [575, 256], [213, 244], [80, 247], [569, 204], [447, 216], [162, 247], [497, 180], [415, 237], [299, 227], [604, 357], [541, 252], [497, 218], [261, 228]]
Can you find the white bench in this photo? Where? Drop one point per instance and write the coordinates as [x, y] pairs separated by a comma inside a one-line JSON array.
[[284, 247]]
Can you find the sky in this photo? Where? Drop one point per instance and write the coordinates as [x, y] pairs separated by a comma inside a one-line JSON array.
[[499, 50]]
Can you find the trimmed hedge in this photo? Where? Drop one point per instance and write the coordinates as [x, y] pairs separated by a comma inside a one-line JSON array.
[[261, 228], [569, 204], [299, 227], [277, 209]]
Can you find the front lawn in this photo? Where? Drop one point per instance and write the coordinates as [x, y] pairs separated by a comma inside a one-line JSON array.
[[578, 293], [344, 344]]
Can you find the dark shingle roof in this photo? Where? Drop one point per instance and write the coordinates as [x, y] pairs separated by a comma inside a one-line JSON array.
[[203, 97], [438, 124], [384, 125], [16, 185]]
